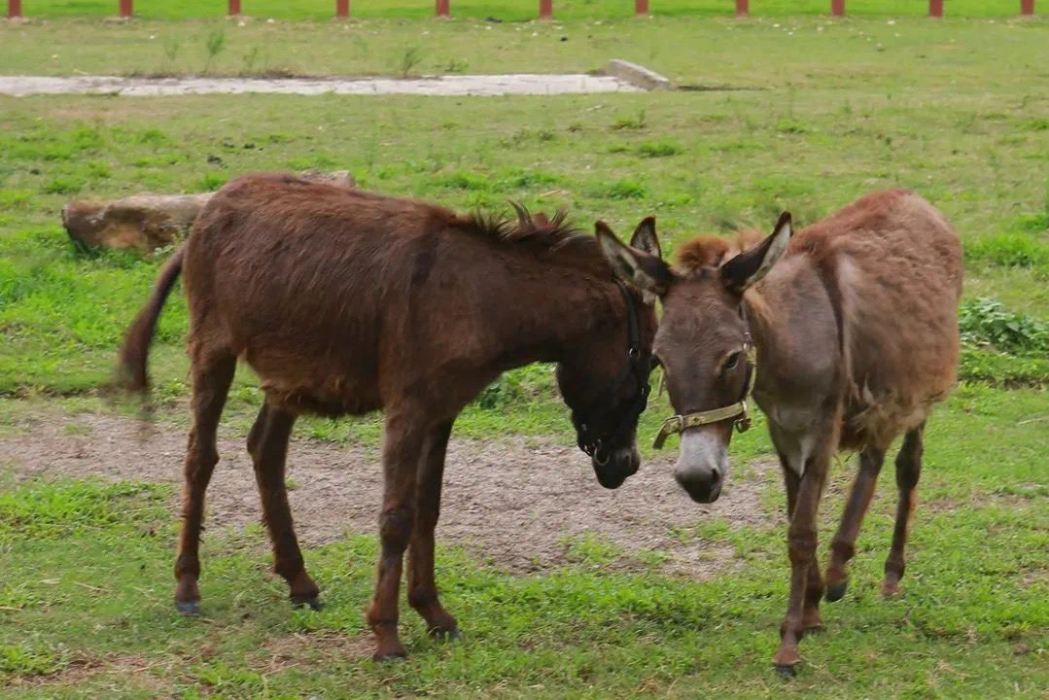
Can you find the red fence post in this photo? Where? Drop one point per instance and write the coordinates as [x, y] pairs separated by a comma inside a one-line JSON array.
[[936, 8], [126, 9], [742, 8], [640, 7], [443, 9], [14, 9], [546, 9], [1026, 7], [342, 9], [837, 8], [234, 8]]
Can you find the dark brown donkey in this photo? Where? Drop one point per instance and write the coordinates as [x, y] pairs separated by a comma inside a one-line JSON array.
[[856, 338], [345, 302]]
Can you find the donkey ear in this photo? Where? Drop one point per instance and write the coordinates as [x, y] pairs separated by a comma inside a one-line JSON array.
[[645, 239], [646, 272], [747, 268]]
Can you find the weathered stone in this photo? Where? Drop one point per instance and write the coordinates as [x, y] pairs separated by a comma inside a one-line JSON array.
[[637, 75], [146, 222], [337, 177]]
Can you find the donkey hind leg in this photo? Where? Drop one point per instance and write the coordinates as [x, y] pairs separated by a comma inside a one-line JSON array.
[[268, 445], [405, 441], [422, 588], [908, 470], [211, 379], [843, 546]]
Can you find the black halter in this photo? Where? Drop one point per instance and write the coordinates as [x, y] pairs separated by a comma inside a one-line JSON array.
[[636, 371]]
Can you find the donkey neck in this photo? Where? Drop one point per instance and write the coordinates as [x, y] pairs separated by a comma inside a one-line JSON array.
[[795, 331], [556, 309], [760, 319]]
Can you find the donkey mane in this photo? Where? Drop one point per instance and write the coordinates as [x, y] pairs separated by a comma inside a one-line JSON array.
[[712, 251], [539, 229]]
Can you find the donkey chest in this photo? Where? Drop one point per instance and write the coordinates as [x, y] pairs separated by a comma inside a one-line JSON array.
[[795, 428]]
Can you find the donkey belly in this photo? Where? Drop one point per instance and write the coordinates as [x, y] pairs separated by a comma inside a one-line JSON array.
[[300, 386], [306, 320]]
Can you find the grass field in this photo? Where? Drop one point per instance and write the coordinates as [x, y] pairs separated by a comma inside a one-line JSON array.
[[892, 55], [955, 109]]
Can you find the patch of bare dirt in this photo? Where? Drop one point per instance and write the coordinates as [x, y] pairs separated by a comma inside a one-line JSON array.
[[288, 651], [436, 85], [136, 671], [516, 501]]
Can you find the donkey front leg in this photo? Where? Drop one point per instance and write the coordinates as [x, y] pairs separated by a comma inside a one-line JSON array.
[[405, 441], [422, 588], [811, 620], [801, 547]]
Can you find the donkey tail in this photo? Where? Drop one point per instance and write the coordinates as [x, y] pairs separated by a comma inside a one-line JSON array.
[[134, 354]]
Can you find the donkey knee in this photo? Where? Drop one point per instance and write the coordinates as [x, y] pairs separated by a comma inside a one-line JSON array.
[[254, 437], [909, 461], [421, 598], [201, 456], [907, 473], [801, 546], [395, 527]]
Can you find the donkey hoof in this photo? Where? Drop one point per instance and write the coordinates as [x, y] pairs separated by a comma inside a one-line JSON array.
[[188, 607], [786, 671], [386, 657], [313, 603], [446, 635], [836, 591]]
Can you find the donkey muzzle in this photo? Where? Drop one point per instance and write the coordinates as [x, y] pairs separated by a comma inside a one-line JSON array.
[[702, 465], [612, 467]]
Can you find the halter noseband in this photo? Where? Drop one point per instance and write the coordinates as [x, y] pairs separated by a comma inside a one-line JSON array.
[[588, 442], [739, 410]]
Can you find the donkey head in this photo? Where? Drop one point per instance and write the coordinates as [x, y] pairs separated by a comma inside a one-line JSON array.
[[703, 344], [605, 379]]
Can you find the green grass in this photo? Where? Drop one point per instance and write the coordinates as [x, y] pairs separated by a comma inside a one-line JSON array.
[[701, 161], [949, 109], [76, 620], [804, 51]]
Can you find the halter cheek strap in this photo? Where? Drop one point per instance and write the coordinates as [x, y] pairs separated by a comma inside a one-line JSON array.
[[738, 410], [635, 372]]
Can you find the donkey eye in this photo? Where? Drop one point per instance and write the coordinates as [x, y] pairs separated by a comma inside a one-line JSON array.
[[732, 362]]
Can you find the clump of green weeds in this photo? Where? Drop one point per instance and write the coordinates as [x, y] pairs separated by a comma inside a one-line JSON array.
[[251, 60], [1009, 250], [172, 46], [635, 122], [986, 322], [410, 59], [659, 149], [1002, 347], [215, 43]]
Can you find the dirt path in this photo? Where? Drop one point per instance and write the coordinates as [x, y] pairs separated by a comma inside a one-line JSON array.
[[517, 502], [445, 85]]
